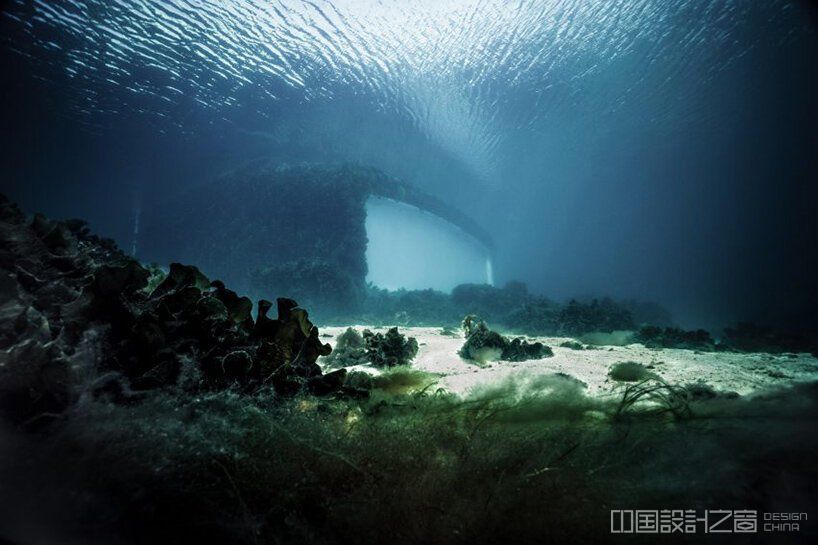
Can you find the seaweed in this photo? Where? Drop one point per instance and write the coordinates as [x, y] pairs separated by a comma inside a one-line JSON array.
[[349, 350], [483, 345], [652, 396], [409, 466], [75, 306], [448, 331], [389, 349], [629, 371]]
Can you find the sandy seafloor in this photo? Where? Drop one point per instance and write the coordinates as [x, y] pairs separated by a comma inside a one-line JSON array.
[[728, 371]]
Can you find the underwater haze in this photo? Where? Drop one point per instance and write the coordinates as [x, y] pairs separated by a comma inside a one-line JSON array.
[[658, 150], [408, 271]]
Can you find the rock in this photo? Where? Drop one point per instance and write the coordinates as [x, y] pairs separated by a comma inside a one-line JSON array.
[[60, 286]]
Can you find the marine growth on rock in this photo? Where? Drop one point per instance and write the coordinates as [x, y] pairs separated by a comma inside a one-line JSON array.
[[79, 316], [483, 345]]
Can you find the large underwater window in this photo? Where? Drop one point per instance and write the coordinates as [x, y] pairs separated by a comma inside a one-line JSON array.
[[413, 249]]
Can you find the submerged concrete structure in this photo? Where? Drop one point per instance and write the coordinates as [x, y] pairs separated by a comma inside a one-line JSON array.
[[299, 231]]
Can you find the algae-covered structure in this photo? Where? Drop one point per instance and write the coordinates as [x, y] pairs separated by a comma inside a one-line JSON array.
[[296, 230]]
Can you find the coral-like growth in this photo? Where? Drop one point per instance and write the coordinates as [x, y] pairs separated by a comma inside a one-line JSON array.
[[74, 305], [389, 349], [482, 344], [187, 316]]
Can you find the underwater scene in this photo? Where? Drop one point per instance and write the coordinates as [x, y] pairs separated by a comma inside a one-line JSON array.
[[408, 272]]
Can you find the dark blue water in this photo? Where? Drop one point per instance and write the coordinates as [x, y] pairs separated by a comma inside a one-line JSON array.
[[655, 149]]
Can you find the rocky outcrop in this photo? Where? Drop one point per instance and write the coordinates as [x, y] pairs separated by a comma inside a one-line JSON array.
[[79, 317]]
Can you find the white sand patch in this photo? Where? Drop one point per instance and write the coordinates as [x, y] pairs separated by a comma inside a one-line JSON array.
[[742, 373]]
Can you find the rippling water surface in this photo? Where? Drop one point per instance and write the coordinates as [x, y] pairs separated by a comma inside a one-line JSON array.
[[470, 75], [618, 146]]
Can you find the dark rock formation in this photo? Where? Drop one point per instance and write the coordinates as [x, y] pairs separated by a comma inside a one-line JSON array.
[[749, 337], [188, 318], [483, 344], [744, 337], [598, 315], [45, 268], [673, 337], [74, 306]]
